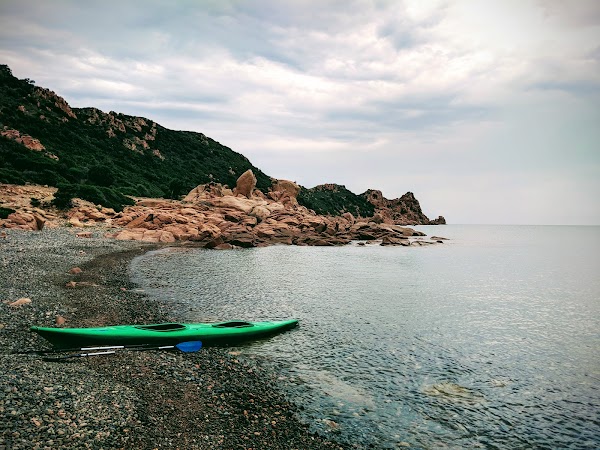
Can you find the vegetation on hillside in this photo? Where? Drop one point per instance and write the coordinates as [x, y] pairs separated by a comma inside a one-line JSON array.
[[104, 157], [334, 199]]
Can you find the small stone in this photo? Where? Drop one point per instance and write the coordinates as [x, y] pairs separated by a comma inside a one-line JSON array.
[[71, 284], [331, 424], [20, 302], [75, 270], [60, 320]]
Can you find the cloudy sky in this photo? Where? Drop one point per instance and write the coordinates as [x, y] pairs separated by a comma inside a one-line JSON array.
[[489, 111]]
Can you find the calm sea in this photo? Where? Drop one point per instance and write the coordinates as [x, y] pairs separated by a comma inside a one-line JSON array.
[[490, 340]]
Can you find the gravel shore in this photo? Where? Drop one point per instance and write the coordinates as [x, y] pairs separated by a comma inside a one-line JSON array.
[[130, 400]]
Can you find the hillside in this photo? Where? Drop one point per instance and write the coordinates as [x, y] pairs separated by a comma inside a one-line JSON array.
[[107, 157], [102, 156], [334, 199]]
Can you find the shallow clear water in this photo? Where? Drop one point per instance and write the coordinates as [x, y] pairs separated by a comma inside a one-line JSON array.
[[490, 340]]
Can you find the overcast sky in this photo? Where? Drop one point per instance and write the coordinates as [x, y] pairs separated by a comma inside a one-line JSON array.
[[489, 111]]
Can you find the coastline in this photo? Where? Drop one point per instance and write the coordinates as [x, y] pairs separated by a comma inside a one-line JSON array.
[[147, 399]]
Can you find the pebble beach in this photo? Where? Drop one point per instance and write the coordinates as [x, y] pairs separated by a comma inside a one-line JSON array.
[[132, 399]]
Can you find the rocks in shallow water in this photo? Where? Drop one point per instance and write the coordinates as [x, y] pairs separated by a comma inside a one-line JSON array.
[[333, 426], [453, 392], [223, 246], [387, 240]]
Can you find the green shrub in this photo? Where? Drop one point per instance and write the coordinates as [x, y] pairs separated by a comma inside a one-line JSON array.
[[64, 196], [101, 175], [98, 195], [5, 212], [334, 200]]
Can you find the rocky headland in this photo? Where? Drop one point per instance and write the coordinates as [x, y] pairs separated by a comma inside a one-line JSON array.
[[215, 216]]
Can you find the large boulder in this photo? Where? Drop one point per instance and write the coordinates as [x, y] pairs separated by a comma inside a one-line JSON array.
[[204, 191], [285, 191], [260, 212], [240, 204], [245, 184]]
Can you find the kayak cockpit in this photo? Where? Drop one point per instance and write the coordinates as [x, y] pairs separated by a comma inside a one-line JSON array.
[[233, 324], [162, 327]]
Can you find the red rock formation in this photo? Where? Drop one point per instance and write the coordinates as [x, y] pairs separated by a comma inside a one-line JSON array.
[[58, 101], [245, 184], [285, 192], [24, 139], [403, 211], [439, 221], [213, 217]]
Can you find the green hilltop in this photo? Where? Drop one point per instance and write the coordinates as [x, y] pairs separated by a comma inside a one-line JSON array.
[[104, 157]]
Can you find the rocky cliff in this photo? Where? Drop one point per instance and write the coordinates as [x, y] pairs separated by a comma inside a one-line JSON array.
[[405, 210]]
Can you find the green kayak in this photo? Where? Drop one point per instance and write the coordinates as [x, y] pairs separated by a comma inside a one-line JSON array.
[[163, 333]]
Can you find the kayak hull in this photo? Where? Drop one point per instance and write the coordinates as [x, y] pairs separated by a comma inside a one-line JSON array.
[[221, 333]]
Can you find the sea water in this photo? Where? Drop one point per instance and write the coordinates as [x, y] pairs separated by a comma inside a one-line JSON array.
[[489, 340]]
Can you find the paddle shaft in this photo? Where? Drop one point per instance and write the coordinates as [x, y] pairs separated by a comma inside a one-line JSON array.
[[85, 349], [186, 347]]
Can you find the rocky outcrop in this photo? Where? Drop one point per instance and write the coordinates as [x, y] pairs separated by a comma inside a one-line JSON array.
[[59, 103], [285, 192], [405, 210], [136, 133], [25, 221], [27, 141], [18, 202], [24, 139], [211, 216], [206, 191], [439, 221], [245, 184]]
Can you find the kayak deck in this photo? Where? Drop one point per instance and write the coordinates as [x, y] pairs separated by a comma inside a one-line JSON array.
[[220, 333]]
